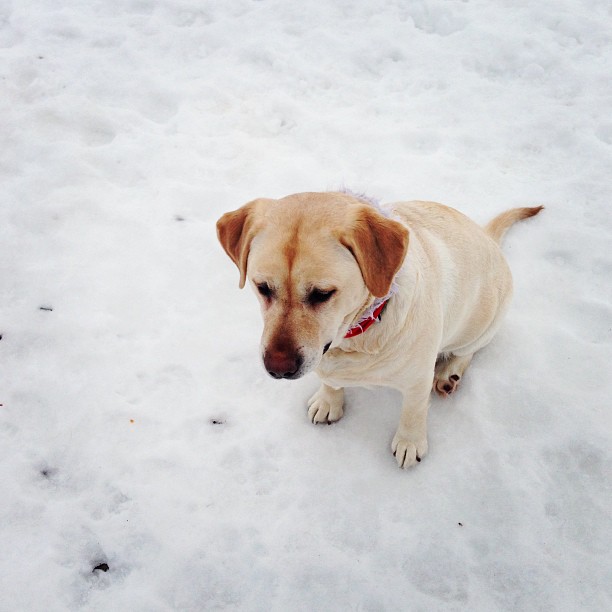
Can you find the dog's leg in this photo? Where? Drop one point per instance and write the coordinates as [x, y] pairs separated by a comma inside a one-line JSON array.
[[449, 372], [410, 441], [325, 406]]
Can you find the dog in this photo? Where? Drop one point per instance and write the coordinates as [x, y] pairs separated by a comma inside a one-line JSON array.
[[399, 296]]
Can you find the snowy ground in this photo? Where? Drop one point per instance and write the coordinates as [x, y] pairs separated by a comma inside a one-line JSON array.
[[137, 426]]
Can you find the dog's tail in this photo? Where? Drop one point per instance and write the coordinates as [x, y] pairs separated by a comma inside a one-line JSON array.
[[496, 228]]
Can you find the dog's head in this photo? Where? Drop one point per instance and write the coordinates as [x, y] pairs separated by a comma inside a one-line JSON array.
[[314, 261]]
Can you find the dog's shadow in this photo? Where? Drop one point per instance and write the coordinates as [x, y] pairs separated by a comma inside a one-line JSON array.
[[371, 417]]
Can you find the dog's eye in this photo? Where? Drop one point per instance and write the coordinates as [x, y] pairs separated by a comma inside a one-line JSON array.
[[264, 290], [318, 296]]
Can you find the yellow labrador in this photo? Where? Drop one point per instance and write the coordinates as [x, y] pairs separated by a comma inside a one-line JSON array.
[[400, 296]]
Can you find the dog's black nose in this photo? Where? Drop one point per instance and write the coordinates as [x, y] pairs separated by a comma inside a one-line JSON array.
[[282, 365]]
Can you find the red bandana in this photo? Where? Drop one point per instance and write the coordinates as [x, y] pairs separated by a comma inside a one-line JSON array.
[[364, 324]]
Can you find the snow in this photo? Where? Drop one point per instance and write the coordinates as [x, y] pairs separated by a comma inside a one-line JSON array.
[[138, 427]]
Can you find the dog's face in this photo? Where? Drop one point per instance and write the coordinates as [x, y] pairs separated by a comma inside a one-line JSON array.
[[314, 260]]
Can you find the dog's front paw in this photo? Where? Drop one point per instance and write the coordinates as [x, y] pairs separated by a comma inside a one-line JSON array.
[[325, 406], [408, 449]]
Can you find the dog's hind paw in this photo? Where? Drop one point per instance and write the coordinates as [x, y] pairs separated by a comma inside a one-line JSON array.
[[448, 374], [445, 387], [325, 406], [408, 450]]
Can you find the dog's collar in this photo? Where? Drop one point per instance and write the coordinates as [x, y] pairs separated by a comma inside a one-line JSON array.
[[367, 321]]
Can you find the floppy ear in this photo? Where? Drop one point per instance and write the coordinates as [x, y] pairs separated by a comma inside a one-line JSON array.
[[235, 232], [379, 245]]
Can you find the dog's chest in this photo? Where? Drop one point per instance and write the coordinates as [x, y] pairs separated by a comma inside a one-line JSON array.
[[340, 368]]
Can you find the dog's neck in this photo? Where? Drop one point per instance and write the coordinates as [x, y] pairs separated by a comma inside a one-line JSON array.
[[367, 319], [370, 313]]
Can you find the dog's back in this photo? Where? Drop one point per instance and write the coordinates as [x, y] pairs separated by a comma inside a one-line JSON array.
[[466, 261]]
